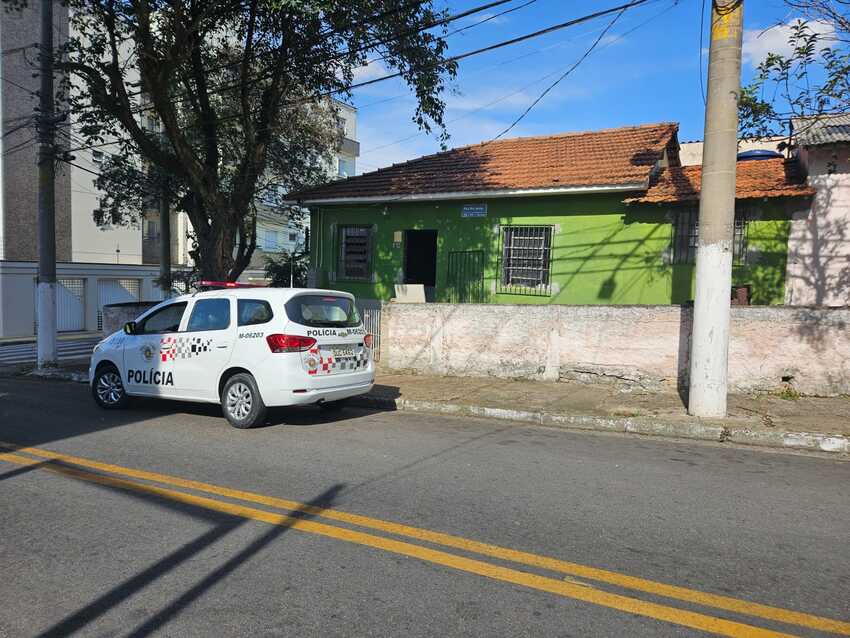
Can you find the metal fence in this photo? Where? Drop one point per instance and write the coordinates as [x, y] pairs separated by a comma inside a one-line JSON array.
[[370, 310], [466, 276]]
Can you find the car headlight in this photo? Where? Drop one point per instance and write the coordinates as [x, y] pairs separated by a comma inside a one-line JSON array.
[[98, 346]]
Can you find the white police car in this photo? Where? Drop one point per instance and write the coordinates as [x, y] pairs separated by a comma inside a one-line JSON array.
[[244, 347]]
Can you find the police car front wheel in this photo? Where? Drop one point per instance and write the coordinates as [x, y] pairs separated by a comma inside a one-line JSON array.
[[108, 389], [241, 402]]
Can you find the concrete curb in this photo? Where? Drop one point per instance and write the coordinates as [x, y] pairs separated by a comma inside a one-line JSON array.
[[647, 426], [60, 375]]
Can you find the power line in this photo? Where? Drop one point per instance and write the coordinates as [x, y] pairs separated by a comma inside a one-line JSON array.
[[364, 47], [537, 81], [498, 45], [701, 34], [564, 75]]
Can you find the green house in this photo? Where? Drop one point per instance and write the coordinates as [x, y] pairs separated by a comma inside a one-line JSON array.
[[603, 217]]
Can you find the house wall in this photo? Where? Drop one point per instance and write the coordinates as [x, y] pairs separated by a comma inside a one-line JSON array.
[[642, 346], [603, 252], [819, 243]]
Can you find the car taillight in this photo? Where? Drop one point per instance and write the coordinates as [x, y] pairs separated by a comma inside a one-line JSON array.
[[289, 343], [367, 340]]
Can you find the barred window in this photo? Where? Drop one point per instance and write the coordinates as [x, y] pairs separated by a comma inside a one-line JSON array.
[[686, 237], [526, 259], [355, 252]]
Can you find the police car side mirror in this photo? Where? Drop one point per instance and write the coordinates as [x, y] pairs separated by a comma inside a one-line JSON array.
[[130, 328]]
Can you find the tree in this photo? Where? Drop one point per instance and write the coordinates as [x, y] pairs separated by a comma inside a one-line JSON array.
[[239, 88], [287, 269], [813, 79]]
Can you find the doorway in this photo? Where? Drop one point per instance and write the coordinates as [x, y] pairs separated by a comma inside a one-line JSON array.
[[420, 257]]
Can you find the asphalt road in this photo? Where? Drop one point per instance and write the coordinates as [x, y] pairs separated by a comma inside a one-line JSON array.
[[294, 528]]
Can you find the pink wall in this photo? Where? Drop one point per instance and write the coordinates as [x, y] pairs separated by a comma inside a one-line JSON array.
[[644, 346]]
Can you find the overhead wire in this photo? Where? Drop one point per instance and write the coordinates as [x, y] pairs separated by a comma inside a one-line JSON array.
[[523, 88], [562, 76]]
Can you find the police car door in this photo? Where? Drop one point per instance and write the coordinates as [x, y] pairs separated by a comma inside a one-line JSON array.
[[202, 351], [146, 370]]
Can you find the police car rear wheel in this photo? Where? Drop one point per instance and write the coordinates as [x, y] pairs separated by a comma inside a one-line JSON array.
[[241, 402], [108, 390]]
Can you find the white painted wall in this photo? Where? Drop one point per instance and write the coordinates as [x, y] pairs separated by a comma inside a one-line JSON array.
[[17, 281], [818, 271], [91, 243], [643, 346]]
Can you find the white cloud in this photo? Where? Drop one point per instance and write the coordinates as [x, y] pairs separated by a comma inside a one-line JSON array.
[[491, 18], [759, 42], [375, 69], [611, 39]]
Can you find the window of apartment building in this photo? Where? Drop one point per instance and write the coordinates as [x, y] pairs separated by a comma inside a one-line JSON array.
[[151, 229], [355, 252], [269, 240], [345, 167], [340, 124], [686, 237], [526, 260]]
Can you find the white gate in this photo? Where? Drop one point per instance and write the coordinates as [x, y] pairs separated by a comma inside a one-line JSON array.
[[115, 291], [370, 311], [70, 305]]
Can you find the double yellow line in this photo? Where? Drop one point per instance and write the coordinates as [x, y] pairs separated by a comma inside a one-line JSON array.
[[120, 477]]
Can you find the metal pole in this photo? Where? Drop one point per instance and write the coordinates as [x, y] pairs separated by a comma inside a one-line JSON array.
[[164, 243], [46, 311], [710, 341]]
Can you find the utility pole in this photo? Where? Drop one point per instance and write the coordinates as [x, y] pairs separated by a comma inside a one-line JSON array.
[[164, 242], [710, 340], [46, 311]]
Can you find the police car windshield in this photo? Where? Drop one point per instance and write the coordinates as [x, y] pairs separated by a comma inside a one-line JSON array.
[[324, 311]]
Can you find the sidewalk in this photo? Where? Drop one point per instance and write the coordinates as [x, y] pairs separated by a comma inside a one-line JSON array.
[[767, 420], [805, 423]]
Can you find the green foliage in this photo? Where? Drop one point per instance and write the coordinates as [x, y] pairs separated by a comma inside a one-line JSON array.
[[230, 100], [811, 81], [278, 270]]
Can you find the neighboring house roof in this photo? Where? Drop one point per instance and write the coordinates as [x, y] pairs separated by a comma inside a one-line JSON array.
[[690, 153], [755, 178], [612, 159], [821, 129]]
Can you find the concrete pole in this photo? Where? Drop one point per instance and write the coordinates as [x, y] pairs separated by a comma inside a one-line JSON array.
[[164, 244], [710, 340], [46, 336]]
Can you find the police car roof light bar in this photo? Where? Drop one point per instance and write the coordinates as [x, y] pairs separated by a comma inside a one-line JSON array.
[[226, 284]]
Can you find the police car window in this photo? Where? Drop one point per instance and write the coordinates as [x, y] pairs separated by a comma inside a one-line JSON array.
[[209, 314], [253, 311], [165, 319], [323, 311]]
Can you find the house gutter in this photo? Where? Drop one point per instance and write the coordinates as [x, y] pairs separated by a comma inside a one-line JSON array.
[[486, 194]]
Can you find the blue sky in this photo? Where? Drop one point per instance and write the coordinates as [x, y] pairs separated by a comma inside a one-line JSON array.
[[648, 75]]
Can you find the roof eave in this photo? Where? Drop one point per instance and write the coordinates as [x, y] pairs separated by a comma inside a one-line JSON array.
[[486, 194]]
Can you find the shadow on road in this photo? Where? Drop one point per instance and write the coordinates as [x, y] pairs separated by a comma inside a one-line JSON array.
[[223, 525], [35, 412]]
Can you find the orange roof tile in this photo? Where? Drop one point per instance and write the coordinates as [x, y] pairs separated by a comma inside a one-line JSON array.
[[612, 157], [754, 178]]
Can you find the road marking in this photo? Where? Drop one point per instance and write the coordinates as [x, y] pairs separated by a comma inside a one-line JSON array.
[[591, 595], [675, 592]]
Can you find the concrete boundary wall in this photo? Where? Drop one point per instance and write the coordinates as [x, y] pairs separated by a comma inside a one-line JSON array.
[[642, 346]]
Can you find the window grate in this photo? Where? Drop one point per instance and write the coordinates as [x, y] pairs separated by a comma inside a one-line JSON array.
[[526, 259], [686, 237], [355, 252]]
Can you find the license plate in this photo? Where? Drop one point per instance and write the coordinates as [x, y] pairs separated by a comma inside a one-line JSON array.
[[342, 351]]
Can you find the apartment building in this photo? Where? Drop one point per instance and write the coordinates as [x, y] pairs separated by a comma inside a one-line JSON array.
[[96, 265]]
